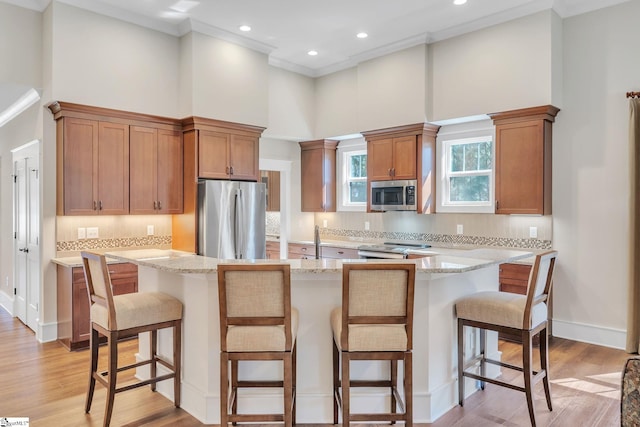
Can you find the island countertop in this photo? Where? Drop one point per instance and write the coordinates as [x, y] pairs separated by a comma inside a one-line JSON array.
[[449, 261]]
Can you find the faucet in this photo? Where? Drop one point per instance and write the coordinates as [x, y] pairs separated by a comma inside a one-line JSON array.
[[316, 240]]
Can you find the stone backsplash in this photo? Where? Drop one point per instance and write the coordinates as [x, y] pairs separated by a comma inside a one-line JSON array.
[[120, 242]]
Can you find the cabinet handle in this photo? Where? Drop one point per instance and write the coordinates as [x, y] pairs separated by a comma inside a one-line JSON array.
[[95, 205], [389, 172], [393, 171], [231, 170], [226, 170], [159, 205], [497, 205], [155, 205], [100, 203]]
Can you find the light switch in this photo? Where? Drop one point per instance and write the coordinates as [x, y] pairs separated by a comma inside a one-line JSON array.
[[459, 229], [366, 225], [82, 233], [324, 223], [92, 232], [533, 232], [150, 230]]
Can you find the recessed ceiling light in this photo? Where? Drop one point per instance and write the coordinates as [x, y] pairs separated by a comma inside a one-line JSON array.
[[244, 28], [362, 35], [459, 2], [312, 53]]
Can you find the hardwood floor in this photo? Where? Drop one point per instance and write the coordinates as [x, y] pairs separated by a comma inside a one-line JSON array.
[[47, 383]]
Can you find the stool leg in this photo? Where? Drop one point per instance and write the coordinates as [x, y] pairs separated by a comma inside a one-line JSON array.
[[408, 388], [544, 362], [153, 351], [527, 367], [336, 380], [394, 383], [177, 362], [93, 344], [460, 362], [224, 389], [112, 375], [483, 352], [288, 389], [295, 357], [346, 391], [234, 388]]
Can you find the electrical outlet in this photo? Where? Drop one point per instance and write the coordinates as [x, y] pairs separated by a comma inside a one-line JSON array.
[[366, 225], [150, 230], [459, 229], [82, 233], [324, 223], [92, 232], [533, 232]]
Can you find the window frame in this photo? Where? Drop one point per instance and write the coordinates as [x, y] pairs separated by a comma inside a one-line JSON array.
[[467, 133], [347, 149]]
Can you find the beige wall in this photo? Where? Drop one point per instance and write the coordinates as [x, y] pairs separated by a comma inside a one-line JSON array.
[[292, 112], [500, 68], [337, 104], [591, 173]]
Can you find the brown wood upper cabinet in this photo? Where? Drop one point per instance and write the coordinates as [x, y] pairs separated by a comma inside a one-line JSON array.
[[272, 180], [155, 157], [523, 160], [404, 152], [93, 167], [98, 169], [227, 156], [318, 170]]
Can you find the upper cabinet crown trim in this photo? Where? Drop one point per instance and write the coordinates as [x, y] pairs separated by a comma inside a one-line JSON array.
[[543, 112], [195, 122], [423, 128], [67, 109]]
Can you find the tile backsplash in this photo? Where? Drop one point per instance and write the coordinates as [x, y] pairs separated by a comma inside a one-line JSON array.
[[477, 229], [118, 231]]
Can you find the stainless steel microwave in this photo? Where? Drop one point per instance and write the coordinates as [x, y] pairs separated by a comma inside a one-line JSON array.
[[397, 195]]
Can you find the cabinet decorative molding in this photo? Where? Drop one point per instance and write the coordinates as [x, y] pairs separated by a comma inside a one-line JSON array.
[[404, 152], [318, 171], [523, 160]]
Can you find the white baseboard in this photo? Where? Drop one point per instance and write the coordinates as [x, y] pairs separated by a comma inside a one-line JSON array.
[[6, 302], [592, 334], [47, 332]]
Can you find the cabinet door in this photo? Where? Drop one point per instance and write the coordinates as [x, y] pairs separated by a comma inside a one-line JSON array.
[[81, 327], [404, 158], [170, 188], [380, 159], [520, 168], [313, 196], [143, 170], [243, 158], [113, 169], [213, 155], [79, 163]]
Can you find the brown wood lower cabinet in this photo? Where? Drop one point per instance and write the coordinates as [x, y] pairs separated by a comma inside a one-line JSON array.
[[336, 252], [73, 300], [273, 250], [301, 251]]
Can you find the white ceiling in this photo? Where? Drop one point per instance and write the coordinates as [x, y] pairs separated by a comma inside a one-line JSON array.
[[287, 29]]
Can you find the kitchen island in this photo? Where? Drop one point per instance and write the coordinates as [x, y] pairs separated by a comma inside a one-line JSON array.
[[315, 290]]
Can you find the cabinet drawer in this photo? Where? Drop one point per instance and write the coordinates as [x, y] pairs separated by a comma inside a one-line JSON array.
[[338, 253], [302, 249], [515, 271]]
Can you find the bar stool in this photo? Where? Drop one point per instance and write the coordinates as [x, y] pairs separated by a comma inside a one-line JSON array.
[[375, 322], [256, 323], [125, 316], [523, 315]]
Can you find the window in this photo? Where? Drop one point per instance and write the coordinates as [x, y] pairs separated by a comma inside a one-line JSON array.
[[355, 178], [352, 175], [467, 175]]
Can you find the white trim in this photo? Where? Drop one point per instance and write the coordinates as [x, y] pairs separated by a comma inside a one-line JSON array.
[[284, 166], [346, 148], [592, 334], [47, 332]]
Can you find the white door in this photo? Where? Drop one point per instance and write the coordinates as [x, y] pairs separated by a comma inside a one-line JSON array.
[[27, 234]]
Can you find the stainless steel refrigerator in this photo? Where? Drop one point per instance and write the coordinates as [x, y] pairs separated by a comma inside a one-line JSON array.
[[231, 219]]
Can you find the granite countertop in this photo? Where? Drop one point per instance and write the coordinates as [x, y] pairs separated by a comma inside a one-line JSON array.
[[186, 263]]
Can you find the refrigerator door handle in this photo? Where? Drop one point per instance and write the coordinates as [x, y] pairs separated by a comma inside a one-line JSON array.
[[237, 225]]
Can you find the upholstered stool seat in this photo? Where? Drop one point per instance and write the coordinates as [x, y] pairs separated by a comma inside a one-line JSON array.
[[257, 322], [516, 315], [124, 316], [374, 323]]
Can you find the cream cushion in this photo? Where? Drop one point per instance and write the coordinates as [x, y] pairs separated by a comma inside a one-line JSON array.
[[138, 309], [500, 308], [369, 337], [261, 338]]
